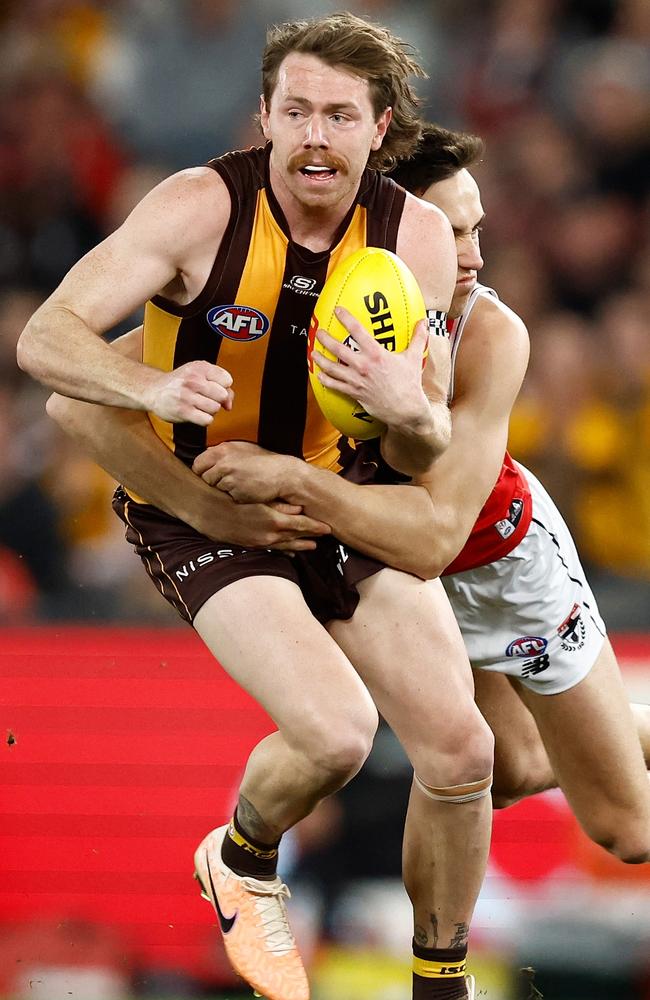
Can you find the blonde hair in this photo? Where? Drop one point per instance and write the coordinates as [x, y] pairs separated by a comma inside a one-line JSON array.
[[369, 51]]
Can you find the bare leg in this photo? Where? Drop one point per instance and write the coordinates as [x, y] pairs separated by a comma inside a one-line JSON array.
[[264, 635], [641, 715], [593, 748], [521, 764], [406, 645]]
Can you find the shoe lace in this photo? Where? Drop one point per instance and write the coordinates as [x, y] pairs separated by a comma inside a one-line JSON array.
[[272, 911]]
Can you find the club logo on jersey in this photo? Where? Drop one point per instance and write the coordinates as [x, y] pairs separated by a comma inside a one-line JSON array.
[[507, 526], [527, 645], [536, 666], [572, 631], [238, 322]]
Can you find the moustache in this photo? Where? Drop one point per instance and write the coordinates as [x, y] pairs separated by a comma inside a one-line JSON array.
[[300, 160]]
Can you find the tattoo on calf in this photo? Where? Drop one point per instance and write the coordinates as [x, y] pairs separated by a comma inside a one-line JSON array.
[[421, 936], [461, 936], [252, 823]]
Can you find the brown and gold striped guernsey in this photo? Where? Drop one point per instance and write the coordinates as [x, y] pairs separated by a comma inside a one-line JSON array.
[[253, 315]]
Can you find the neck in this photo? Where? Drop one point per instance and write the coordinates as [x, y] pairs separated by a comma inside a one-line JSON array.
[[313, 227]]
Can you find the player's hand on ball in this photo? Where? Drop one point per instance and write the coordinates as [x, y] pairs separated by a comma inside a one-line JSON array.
[[193, 393], [250, 474], [387, 384]]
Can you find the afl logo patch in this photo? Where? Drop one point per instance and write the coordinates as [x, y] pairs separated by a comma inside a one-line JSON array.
[[238, 322], [527, 645]]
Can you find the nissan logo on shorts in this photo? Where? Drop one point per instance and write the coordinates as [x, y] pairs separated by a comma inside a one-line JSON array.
[[236, 322]]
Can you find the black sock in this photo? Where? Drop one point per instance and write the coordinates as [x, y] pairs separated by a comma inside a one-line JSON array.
[[439, 973], [246, 856]]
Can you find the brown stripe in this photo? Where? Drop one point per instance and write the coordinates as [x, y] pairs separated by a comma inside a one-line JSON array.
[[385, 204], [283, 400]]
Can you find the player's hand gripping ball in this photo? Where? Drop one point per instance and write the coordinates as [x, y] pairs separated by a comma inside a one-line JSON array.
[[380, 291]]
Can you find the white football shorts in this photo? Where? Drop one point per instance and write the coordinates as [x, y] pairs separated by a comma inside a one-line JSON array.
[[531, 614]]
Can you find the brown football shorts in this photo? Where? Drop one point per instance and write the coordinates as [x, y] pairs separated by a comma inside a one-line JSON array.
[[188, 568]]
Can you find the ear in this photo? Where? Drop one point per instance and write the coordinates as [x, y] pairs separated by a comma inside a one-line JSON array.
[[381, 127], [264, 117]]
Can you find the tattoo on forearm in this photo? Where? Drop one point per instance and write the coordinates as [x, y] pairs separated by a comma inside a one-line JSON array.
[[461, 936], [253, 824]]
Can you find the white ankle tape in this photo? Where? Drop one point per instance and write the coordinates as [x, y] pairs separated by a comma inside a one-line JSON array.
[[456, 794]]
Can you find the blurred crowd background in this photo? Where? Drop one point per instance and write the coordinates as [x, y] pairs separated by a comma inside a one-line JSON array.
[[100, 100]]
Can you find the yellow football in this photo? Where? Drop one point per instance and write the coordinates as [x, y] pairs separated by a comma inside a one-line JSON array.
[[381, 292]]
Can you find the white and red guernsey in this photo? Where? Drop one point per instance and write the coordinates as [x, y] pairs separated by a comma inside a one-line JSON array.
[[506, 514]]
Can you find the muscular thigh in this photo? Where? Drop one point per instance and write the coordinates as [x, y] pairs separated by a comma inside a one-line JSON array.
[[405, 643], [264, 635]]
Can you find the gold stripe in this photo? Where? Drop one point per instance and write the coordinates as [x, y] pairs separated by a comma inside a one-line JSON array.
[[236, 836], [160, 333], [439, 970]]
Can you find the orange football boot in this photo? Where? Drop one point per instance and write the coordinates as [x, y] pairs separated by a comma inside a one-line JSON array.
[[253, 920]]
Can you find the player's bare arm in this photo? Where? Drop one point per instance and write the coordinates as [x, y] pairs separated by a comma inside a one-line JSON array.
[[167, 244], [392, 522], [123, 443], [426, 243]]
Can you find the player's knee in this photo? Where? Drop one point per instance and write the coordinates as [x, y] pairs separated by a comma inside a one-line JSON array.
[[339, 747], [630, 844], [467, 758], [526, 773], [504, 797], [345, 753], [477, 758]]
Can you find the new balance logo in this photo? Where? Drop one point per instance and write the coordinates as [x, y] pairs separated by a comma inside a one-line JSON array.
[[536, 666]]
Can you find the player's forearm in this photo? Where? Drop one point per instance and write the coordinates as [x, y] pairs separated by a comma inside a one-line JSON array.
[[58, 348], [414, 449], [390, 523], [124, 444]]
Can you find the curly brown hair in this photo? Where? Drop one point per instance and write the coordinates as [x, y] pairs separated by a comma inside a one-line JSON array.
[[371, 52]]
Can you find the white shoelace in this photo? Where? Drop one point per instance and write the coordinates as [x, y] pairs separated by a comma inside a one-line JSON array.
[[273, 915]]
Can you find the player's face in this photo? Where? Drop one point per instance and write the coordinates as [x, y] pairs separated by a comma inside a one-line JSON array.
[[460, 199], [322, 126]]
